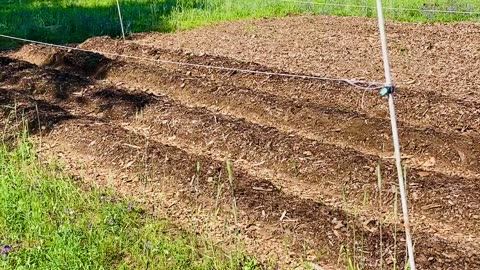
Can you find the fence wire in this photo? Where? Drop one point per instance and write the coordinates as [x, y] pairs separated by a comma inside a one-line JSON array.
[[384, 8], [364, 85]]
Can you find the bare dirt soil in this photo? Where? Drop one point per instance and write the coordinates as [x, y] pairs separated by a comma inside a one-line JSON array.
[[303, 152]]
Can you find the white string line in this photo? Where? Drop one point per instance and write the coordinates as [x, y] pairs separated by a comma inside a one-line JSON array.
[[364, 85], [385, 8]]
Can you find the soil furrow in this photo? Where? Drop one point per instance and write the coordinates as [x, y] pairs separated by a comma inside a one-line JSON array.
[[327, 171], [411, 105], [332, 169], [426, 148], [429, 56], [150, 159], [310, 223], [167, 119]]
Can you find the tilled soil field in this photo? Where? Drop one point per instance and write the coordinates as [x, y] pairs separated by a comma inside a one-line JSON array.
[[302, 182]]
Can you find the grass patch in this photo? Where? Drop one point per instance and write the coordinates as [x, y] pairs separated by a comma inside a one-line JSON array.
[[48, 222], [68, 21]]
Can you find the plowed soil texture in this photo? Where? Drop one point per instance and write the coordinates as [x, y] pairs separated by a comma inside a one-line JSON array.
[[288, 166]]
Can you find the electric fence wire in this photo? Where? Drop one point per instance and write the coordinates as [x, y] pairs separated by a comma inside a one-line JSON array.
[[384, 8], [364, 85]]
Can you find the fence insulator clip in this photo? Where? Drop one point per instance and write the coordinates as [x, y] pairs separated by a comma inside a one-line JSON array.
[[387, 90]]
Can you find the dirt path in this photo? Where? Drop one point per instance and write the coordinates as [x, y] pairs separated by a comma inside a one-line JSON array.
[[304, 152]]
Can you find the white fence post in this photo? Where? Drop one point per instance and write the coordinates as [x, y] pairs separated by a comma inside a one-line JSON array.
[[396, 143], [121, 19]]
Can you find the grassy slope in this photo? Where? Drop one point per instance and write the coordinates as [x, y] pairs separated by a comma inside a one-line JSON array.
[[65, 21], [47, 222]]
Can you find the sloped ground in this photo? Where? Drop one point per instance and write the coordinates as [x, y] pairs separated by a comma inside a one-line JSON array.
[[303, 152]]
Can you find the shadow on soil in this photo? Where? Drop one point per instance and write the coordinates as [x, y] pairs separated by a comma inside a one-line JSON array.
[[135, 101], [17, 108], [33, 80], [47, 97]]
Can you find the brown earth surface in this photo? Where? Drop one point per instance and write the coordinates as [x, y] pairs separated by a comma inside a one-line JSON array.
[[304, 152]]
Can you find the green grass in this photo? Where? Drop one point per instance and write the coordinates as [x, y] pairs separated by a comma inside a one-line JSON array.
[[49, 222], [69, 21]]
